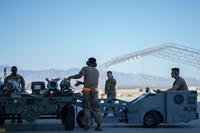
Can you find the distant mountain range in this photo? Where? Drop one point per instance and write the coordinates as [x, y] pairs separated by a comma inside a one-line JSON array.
[[124, 80]]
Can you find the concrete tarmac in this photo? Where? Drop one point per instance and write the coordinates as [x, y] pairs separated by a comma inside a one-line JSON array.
[[55, 126]]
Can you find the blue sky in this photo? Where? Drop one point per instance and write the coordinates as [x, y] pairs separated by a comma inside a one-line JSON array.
[[61, 34]]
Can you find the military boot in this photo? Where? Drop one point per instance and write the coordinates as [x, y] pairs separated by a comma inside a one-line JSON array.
[[87, 125], [99, 127]]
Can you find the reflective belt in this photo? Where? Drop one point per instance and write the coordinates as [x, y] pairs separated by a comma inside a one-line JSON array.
[[88, 89]]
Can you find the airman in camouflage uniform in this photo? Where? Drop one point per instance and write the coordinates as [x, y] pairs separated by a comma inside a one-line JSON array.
[[179, 83], [110, 91], [19, 79], [110, 86], [90, 93], [15, 77]]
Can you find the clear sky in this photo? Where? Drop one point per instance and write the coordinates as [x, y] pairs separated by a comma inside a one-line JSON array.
[[61, 34]]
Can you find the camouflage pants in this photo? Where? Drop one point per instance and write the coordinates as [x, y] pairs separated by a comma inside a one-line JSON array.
[[90, 102], [111, 96]]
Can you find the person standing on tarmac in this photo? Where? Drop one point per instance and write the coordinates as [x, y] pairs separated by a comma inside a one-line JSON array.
[[20, 80], [90, 93], [110, 84], [110, 91]]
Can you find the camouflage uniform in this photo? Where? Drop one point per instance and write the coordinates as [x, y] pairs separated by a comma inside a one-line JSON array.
[[110, 88], [90, 100], [17, 78], [20, 80], [111, 95], [90, 96]]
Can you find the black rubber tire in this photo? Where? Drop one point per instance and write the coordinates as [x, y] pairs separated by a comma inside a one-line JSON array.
[[81, 121], [151, 120], [80, 118], [69, 119]]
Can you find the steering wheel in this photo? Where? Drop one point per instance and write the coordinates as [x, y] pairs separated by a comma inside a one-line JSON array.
[[157, 90]]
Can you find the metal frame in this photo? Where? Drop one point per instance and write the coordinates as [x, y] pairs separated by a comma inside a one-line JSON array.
[[169, 51]]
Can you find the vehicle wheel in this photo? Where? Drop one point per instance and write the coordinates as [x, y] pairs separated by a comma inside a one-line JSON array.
[[80, 119], [69, 119], [151, 120]]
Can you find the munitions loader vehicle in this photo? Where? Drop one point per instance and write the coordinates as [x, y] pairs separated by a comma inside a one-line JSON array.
[[43, 103]]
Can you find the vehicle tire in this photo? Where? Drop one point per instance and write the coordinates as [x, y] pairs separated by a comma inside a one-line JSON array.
[[151, 120], [69, 119], [80, 119]]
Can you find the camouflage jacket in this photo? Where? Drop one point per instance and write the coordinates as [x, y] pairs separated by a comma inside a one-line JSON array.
[[18, 78], [110, 85]]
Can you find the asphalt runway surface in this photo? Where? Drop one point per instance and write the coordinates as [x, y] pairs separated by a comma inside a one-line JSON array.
[[55, 126]]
